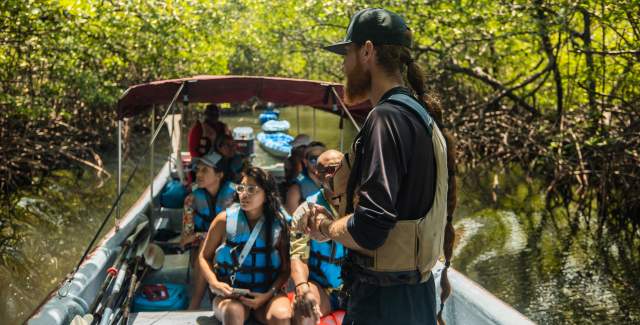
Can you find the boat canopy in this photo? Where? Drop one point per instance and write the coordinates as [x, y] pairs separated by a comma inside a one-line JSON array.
[[235, 89]]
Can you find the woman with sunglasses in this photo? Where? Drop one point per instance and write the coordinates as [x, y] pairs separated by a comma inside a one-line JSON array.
[[247, 248], [307, 182]]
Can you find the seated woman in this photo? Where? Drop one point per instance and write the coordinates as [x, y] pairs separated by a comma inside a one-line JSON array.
[[203, 134], [249, 243], [212, 196], [234, 163], [307, 182]]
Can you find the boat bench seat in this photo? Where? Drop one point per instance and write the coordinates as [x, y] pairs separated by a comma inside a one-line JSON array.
[[174, 270], [170, 219]]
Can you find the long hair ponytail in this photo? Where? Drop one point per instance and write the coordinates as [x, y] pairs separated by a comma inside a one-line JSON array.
[[395, 58]]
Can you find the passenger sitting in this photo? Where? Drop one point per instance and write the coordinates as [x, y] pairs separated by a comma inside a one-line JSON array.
[[307, 182], [317, 277], [234, 163], [203, 134], [294, 164], [249, 245], [212, 196]]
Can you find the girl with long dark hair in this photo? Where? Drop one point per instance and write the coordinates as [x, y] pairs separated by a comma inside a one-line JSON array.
[[245, 258]]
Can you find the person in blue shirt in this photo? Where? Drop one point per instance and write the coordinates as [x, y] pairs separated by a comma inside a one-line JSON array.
[[245, 258], [316, 274], [233, 162], [307, 182]]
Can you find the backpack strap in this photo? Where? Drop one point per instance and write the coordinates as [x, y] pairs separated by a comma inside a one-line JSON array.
[[412, 104]]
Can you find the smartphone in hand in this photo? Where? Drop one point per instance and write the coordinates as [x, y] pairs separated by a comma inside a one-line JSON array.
[[241, 292]]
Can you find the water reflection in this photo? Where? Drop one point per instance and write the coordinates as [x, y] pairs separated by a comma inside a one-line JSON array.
[[535, 260]]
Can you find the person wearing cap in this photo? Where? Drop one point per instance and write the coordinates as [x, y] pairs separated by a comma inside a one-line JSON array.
[[315, 265], [213, 194], [307, 182], [397, 206]]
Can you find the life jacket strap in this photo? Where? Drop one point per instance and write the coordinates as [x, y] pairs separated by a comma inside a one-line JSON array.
[[360, 264]]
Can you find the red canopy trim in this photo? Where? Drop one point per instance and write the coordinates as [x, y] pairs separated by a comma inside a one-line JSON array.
[[235, 89]]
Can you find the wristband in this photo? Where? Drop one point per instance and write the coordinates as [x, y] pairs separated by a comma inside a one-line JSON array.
[[301, 283], [322, 231]]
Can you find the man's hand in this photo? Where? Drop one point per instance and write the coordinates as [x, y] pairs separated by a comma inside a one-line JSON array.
[[319, 223], [300, 218], [305, 304]]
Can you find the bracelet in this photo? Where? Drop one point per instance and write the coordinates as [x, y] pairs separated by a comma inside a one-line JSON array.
[[322, 232], [301, 283]]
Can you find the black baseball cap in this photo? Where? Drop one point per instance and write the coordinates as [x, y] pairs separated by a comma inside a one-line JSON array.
[[380, 26]]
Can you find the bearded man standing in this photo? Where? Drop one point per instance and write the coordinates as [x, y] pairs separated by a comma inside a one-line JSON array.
[[397, 215]]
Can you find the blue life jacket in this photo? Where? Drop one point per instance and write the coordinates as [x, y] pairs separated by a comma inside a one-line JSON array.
[[253, 274], [205, 211], [325, 258], [307, 186]]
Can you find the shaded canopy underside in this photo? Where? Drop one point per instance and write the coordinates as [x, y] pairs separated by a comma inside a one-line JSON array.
[[236, 89]]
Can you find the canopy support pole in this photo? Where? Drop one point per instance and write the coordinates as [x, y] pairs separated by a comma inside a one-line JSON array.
[[119, 189], [314, 124], [151, 159], [298, 118], [345, 110], [335, 107]]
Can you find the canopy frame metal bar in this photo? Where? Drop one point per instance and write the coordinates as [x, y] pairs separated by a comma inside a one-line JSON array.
[[314, 123], [298, 118], [344, 109], [151, 159], [119, 187]]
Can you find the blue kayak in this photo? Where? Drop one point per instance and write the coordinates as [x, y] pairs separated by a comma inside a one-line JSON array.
[[276, 144], [276, 126], [268, 116]]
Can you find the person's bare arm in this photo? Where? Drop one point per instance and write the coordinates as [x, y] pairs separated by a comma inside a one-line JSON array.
[[215, 236], [337, 230], [283, 249], [299, 271], [293, 198]]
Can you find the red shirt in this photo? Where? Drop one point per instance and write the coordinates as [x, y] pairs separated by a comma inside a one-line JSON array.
[[198, 143]]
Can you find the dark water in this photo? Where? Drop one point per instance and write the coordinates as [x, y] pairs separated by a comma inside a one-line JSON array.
[[512, 246]]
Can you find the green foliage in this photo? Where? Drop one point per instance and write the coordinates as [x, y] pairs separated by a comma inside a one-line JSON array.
[[549, 85]]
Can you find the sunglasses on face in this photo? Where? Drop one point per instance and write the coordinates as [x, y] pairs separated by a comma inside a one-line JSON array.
[[250, 189], [327, 170], [313, 161]]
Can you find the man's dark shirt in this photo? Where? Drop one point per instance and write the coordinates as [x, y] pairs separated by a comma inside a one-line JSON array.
[[394, 172]]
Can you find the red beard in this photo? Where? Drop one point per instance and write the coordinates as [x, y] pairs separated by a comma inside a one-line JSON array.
[[358, 85]]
